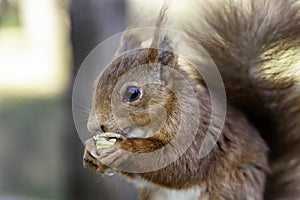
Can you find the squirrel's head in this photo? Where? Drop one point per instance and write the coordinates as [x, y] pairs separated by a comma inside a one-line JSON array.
[[137, 94], [144, 90]]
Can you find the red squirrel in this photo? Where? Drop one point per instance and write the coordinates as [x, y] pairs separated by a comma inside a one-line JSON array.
[[256, 47]]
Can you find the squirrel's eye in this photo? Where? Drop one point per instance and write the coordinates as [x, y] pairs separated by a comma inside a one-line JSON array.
[[132, 93]]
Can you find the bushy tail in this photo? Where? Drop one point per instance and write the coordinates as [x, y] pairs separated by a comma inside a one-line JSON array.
[[256, 46]]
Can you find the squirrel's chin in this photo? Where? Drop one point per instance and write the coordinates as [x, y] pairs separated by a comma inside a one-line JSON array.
[[139, 133]]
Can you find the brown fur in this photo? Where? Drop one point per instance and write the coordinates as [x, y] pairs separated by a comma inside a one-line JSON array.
[[235, 169], [256, 48], [255, 45]]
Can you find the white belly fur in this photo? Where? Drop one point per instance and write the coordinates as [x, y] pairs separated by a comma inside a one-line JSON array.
[[168, 194], [160, 193]]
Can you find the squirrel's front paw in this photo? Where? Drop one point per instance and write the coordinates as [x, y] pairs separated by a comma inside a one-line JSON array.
[[108, 149], [90, 158]]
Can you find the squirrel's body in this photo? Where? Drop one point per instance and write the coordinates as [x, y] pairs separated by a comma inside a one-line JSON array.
[[256, 47]]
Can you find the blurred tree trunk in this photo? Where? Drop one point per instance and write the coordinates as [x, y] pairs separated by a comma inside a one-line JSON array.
[[92, 21]]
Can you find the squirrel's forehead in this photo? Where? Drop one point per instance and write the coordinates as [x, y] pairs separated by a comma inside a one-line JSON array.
[[136, 65]]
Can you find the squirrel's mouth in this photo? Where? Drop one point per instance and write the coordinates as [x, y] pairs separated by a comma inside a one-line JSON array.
[[123, 132], [134, 131]]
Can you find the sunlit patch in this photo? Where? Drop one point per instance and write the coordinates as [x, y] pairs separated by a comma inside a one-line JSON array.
[[34, 57]]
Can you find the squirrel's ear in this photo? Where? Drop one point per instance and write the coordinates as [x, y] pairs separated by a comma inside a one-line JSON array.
[[129, 42], [168, 60], [162, 54], [166, 55], [165, 75]]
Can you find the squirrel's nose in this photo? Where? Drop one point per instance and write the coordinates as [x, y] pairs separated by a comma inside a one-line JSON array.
[[93, 125]]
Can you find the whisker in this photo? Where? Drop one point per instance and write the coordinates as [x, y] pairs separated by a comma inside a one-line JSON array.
[[80, 106], [84, 110]]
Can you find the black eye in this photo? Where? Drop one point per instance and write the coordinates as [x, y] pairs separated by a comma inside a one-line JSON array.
[[132, 93]]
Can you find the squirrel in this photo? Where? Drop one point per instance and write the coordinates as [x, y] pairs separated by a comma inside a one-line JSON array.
[[256, 47]]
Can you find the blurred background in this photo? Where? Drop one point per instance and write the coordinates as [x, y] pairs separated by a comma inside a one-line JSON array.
[[42, 44]]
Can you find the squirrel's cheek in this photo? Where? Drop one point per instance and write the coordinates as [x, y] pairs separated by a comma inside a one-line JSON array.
[[140, 119]]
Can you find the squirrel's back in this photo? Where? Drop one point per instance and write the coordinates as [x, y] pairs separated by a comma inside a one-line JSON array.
[[256, 46]]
